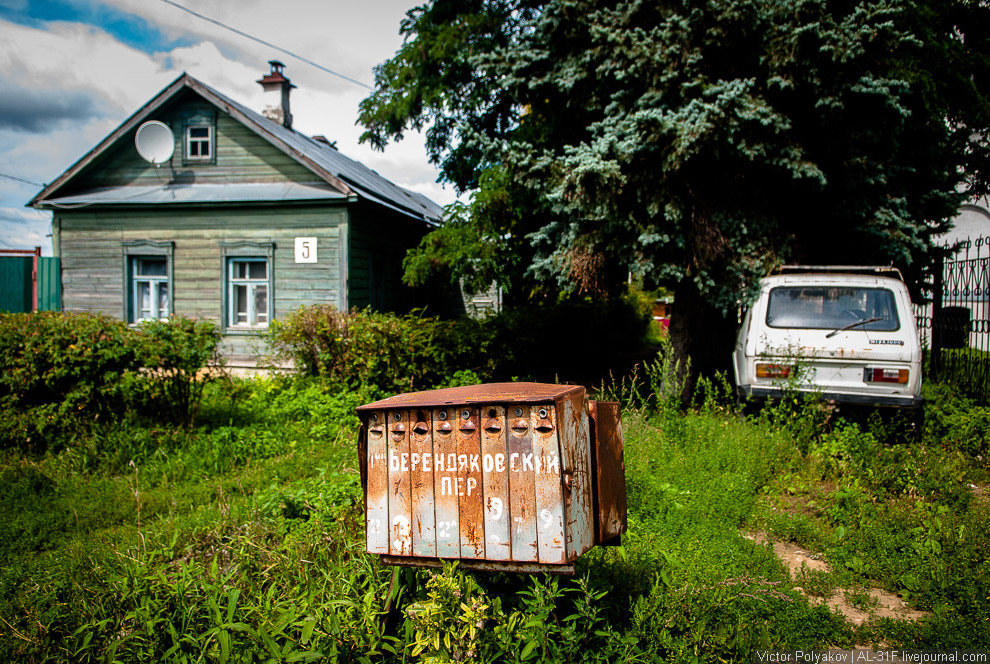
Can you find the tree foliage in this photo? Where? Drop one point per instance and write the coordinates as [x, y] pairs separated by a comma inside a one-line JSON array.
[[694, 143]]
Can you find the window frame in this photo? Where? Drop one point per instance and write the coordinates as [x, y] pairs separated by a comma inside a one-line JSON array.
[[232, 253], [133, 252], [200, 120]]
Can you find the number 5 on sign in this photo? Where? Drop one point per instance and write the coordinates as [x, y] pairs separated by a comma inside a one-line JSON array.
[[305, 249]]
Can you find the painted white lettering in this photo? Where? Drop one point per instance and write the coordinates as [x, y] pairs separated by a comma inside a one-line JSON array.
[[471, 484], [489, 463], [393, 461], [415, 460], [427, 458], [527, 461], [553, 465], [438, 463], [475, 466], [500, 463], [463, 459], [512, 462], [445, 487], [495, 505], [451, 462], [405, 461], [459, 483]]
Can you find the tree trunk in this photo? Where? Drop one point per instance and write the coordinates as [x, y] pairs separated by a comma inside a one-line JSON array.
[[699, 333]]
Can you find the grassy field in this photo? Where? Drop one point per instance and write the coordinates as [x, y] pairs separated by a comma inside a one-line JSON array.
[[241, 541]]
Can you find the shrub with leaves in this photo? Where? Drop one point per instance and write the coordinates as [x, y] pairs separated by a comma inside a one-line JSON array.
[[391, 352], [173, 354]]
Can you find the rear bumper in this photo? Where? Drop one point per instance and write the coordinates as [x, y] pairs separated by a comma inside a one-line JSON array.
[[885, 400]]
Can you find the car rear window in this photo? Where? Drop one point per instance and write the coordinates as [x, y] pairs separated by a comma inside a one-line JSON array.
[[832, 308]]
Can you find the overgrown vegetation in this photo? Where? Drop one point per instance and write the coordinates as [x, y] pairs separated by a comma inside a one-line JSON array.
[[61, 373], [573, 338], [240, 539]]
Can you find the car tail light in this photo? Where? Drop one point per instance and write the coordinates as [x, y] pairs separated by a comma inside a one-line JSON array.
[[875, 375], [768, 370]]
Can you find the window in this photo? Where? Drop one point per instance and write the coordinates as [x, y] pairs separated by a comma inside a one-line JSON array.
[[248, 292], [199, 143], [828, 308], [150, 288], [248, 285], [147, 280]]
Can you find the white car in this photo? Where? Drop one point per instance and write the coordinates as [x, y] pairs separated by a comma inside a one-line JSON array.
[[845, 332]]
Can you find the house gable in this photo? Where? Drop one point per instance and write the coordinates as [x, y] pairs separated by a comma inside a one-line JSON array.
[[238, 155]]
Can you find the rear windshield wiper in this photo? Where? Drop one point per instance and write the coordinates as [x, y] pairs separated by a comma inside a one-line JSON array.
[[862, 321]]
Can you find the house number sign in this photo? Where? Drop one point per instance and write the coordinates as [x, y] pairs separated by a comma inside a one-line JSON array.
[[305, 249]]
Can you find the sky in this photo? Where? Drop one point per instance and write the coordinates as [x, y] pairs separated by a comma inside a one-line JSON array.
[[71, 71]]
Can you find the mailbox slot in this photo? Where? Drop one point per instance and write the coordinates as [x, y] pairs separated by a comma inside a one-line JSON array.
[[502, 477]]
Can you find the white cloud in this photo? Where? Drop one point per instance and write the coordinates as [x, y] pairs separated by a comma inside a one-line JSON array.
[[65, 59]]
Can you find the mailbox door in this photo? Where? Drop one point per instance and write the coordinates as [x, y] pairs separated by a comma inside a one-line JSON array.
[[444, 476], [495, 483], [376, 507], [399, 484], [522, 485], [549, 489], [468, 488], [424, 540]]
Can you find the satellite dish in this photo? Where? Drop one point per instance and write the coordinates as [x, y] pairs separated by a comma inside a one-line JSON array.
[[155, 142]]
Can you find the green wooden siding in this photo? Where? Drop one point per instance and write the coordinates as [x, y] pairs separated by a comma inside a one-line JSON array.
[[241, 155], [378, 241], [91, 245]]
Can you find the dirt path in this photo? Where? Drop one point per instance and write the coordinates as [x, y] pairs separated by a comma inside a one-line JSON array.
[[881, 603]]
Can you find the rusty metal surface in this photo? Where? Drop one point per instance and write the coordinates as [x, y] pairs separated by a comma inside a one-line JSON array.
[[445, 473], [467, 484], [376, 484], [495, 483], [549, 485], [575, 464], [490, 393], [610, 471], [421, 477], [512, 486], [484, 565], [522, 485], [399, 484]]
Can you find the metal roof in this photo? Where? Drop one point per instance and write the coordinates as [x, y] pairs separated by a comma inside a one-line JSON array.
[[200, 193], [344, 175], [490, 393]]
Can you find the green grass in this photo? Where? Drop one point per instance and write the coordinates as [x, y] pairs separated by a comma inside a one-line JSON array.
[[241, 541]]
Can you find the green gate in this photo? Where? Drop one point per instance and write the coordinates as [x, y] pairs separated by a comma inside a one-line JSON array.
[[23, 278]]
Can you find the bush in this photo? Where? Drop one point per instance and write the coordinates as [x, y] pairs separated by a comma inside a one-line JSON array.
[[59, 372], [391, 352], [172, 354]]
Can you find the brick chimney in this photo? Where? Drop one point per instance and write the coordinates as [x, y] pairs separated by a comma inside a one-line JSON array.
[[275, 83]]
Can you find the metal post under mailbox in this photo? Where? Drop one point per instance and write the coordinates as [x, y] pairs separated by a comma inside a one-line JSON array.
[[521, 477]]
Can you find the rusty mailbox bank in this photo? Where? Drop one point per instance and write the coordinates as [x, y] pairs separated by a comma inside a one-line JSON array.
[[507, 476]]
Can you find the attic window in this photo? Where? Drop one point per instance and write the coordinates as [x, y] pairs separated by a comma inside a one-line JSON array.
[[199, 143]]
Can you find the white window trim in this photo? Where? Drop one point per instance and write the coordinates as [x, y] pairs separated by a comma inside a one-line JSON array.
[[132, 252], [233, 251], [190, 140]]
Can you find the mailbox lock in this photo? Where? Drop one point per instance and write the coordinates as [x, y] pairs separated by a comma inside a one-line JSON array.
[[465, 414], [397, 416], [442, 415], [518, 412], [543, 413], [374, 417]]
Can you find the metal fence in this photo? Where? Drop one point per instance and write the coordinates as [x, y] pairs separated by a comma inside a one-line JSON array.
[[29, 281], [955, 326]]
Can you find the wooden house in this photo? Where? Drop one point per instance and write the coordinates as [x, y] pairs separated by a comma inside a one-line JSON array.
[[246, 221]]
